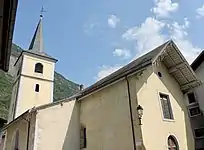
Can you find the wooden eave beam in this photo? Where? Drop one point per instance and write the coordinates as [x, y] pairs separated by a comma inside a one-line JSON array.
[[176, 67]]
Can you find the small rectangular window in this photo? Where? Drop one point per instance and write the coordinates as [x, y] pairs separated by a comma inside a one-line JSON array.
[[83, 141], [194, 111], [199, 132], [191, 98], [37, 88], [166, 106]]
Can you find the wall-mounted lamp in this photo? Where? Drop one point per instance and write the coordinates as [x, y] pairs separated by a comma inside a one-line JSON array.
[[140, 113]]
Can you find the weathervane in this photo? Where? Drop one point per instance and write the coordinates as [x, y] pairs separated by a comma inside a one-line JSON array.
[[42, 11]]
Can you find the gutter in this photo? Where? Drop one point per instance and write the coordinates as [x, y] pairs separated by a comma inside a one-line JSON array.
[[131, 116]]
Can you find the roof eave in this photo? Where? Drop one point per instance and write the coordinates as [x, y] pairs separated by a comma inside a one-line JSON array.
[[8, 28], [190, 84], [43, 56]]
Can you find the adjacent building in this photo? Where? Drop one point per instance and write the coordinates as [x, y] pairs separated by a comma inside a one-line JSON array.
[[139, 107], [195, 103]]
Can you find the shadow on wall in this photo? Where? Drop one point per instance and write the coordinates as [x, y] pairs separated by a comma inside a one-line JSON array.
[[136, 82], [178, 96], [72, 138]]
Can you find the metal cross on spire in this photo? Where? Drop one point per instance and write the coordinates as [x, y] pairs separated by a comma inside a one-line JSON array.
[[42, 11]]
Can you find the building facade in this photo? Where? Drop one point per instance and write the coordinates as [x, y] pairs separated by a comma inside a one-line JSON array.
[[195, 103], [107, 115]]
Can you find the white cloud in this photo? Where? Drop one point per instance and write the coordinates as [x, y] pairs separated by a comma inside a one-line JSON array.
[[200, 11], [147, 36], [106, 70], [164, 7], [186, 23], [179, 34], [113, 20], [125, 53]]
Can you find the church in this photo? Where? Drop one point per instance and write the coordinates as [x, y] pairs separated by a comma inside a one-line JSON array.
[[139, 107]]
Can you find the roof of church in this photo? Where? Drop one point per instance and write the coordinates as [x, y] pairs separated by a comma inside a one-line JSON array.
[[37, 40], [197, 62], [138, 64], [170, 55]]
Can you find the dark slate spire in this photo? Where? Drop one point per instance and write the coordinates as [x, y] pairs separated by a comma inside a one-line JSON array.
[[36, 44]]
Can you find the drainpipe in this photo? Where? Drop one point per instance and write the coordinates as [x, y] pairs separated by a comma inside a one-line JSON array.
[[131, 116]]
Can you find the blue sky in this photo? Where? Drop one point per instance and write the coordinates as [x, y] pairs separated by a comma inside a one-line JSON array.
[[93, 38]]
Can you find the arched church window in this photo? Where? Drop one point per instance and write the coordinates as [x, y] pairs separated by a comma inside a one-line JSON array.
[[172, 143], [37, 88], [39, 68], [16, 141]]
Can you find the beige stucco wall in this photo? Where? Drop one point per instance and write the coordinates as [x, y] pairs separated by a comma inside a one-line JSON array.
[[106, 115], [57, 127], [30, 98], [22, 126], [155, 129]]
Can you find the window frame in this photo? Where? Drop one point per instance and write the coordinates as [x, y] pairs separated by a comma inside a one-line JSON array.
[[192, 108], [196, 101], [36, 70], [160, 103], [195, 134]]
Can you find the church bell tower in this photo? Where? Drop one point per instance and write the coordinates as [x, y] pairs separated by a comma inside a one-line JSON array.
[[34, 77]]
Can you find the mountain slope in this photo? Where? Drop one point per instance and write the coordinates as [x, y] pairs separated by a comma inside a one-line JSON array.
[[63, 88]]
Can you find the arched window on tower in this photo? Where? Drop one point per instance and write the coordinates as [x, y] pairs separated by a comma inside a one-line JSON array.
[[39, 68], [16, 141], [172, 143]]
